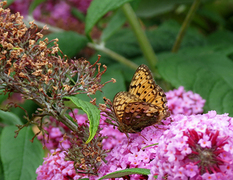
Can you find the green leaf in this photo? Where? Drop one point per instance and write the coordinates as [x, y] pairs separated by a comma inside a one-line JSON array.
[[3, 96], [9, 2], [29, 105], [110, 89], [9, 118], [20, 157], [78, 14], [126, 172], [69, 42], [150, 145], [34, 4], [98, 8], [93, 114], [208, 73], [211, 15], [148, 8], [220, 37], [162, 39], [124, 42], [114, 25]]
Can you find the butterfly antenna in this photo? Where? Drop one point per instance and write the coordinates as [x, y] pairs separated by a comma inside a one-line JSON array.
[[142, 136]]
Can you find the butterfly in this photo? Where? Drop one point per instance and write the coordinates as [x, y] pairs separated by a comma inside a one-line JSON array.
[[143, 105]]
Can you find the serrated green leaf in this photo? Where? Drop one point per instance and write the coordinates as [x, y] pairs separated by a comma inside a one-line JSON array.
[[20, 157], [98, 8], [69, 42], [208, 74], [126, 172], [9, 118], [93, 114]]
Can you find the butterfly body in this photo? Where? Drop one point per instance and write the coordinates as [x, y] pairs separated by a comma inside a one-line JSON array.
[[144, 104]]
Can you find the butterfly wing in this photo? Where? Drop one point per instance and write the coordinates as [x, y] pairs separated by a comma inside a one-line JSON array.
[[139, 115], [120, 102], [143, 105], [133, 114], [143, 87]]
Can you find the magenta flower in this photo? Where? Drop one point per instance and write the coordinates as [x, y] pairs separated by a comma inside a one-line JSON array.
[[55, 167], [60, 11], [114, 136], [186, 103], [56, 130], [21, 6], [133, 152], [195, 147]]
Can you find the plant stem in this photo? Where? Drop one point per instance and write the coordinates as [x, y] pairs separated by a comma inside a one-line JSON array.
[[185, 25], [41, 25], [141, 37], [113, 55], [68, 123]]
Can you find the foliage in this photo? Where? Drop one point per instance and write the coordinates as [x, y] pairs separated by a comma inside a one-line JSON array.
[[47, 73]]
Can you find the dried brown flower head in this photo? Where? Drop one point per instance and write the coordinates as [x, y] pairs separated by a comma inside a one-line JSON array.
[[87, 157], [29, 67]]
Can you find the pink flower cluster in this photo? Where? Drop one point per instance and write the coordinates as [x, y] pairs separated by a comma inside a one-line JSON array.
[[195, 147], [54, 138], [135, 152], [54, 10], [21, 6], [55, 167], [186, 103], [113, 134], [56, 130]]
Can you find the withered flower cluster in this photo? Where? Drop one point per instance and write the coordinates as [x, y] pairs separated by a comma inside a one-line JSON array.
[[28, 66], [87, 157]]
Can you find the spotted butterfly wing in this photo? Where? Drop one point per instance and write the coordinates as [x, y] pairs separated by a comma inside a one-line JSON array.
[[120, 102], [143, 105], [133, 114], [143, 86]]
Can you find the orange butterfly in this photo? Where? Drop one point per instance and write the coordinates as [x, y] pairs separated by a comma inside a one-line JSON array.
[[144, 104]]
